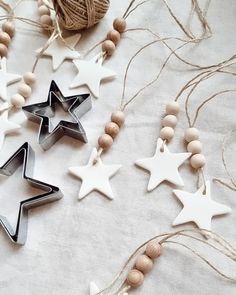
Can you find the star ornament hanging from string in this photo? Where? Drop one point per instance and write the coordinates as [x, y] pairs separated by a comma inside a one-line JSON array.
[[95, 176], [91, 73], [199, 207], [163, 166], [62, 49], [25, 156], [76, 106]]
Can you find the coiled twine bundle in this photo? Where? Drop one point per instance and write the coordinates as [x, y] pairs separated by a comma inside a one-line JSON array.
[[80, 14]]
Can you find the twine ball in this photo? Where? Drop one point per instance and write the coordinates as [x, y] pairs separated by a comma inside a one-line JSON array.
[[80, 14]]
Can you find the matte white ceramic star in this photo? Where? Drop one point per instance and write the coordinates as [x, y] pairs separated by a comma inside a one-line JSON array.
[[91, 73], [94, 290], [95, 177], [6, 79], [6, 127], [60, 50], [163, 166], [199, 207]]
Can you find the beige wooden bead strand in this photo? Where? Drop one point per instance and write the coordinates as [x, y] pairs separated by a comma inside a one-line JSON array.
[[169, 121], [118, 117], [46, 20], [135, 278], [114, 36], [153, 250], [172, 108], [198, 161], [3, 50], [167, 133], [9, 28], [17, 100], [43, 10], [108, 47], [144, 264], [29, 78], [24, 90], [119, 24], [191, 134], [5, 38], [112, 129], [105, 142], [194, 147]]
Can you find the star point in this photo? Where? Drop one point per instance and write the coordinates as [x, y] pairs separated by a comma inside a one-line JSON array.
[[95, 176], [163, 166], [90, 74], [62, 49], [94, 290], [199, 208]]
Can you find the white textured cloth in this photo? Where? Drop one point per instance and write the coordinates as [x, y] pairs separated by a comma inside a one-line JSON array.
[[71, 243]]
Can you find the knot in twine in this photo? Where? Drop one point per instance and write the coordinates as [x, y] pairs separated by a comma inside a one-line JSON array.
[[80, 14]]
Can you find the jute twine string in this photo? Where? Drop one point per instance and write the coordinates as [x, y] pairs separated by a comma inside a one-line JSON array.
[[80, 14], [214, 241]]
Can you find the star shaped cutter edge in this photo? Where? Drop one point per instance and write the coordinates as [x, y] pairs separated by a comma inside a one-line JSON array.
[[25, 156], [75, 105]]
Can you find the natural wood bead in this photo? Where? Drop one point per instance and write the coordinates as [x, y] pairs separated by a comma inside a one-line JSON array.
[[119, 24], [9, 28], [40, 3], [198, 161], [24, 90], [135, 278], [169, 121], [172, 108], [144, 264], [109, 47], [105, 141], [167, 133], [17, 100], [114, 36], [3, 50], [43, 10], [46, 20], [5, 38], [118, 117], [194, 147], [153, 250], [29, 78], [112, 129], [191, 134]]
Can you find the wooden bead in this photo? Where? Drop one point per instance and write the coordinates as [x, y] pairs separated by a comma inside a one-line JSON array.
[[3, 50], [198, 161], [29, 78], [112, 129], [46, 20], [169, 121], [191, 134], [118, 117], [194, 147], [43, 10], [114, 36], [119, 24], [9, 28], [153, 250], [172, 108], [109, 47], [5, 38], [24, 90], [17, 100], [135, 278], [40, 3], [105, 141], [144, 264], [167, 133]]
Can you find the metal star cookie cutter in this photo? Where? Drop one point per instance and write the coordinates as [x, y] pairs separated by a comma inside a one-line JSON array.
[[25, 156], [75, 105]]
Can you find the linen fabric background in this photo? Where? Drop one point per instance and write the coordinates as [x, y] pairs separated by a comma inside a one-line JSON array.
[[71, 243]]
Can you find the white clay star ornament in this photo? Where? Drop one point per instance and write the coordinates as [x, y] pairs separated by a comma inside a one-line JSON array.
[[95, 176], [60, 50], [199, 207], [6, 79], [91, 73], [94, 290], [6, 127], [163, 166]]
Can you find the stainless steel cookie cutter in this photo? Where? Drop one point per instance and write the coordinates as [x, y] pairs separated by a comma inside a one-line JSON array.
[[75, 105], [25, 156]]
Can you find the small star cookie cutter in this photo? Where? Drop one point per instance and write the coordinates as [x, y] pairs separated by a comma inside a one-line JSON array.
[[75, 105], [25, 156]]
